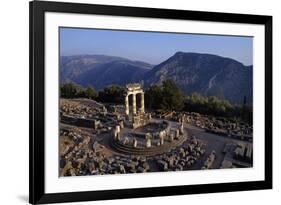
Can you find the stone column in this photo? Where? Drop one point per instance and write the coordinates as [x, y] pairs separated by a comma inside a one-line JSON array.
[[117, 128], [161, 140], [134, 104], [148, 143], [142, 103], [127, 105], [181, 129], [135, 142], [177, 134]]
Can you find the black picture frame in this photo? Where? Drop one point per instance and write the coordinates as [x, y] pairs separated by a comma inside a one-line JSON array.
[[37, 10]]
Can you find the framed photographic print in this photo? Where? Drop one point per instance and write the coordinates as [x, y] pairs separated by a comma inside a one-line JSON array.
[[140, 102]]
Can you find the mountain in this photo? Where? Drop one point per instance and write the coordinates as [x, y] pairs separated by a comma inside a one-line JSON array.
[[210, 75], [100, 70]]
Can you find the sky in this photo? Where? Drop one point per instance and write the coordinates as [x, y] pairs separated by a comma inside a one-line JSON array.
[[152, 47]]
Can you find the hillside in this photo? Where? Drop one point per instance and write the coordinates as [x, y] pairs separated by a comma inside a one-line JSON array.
[[210, 75], [207, 74]]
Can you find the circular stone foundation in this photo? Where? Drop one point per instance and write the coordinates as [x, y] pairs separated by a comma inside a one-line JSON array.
[[172, 138]]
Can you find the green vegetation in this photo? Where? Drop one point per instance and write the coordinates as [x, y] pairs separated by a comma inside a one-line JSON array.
[[68, 90], [217, 107], [153, 97], [71, 90], [112, 94], [165, 97], [207, 105]]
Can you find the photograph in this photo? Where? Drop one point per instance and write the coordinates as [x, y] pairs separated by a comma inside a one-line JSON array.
[[133, 102], [140, 102]]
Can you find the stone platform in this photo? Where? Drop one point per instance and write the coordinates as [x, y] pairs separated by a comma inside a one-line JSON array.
[[152, 139], [155, 150]]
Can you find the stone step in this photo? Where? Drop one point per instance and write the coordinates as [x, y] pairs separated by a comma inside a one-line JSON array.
[[125, 149]]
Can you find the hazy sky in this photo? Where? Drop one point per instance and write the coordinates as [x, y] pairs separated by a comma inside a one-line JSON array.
[[152, 47]]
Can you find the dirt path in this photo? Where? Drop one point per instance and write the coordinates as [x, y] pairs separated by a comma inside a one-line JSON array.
[[213, 142]]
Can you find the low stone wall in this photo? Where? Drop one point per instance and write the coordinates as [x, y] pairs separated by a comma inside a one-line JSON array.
[[77, 121], [154, 150], [153, 134], [145, 143]]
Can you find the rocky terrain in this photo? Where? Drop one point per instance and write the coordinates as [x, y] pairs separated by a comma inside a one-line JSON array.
[[79, 156], [87, 128], [206, 74], [216, 125]]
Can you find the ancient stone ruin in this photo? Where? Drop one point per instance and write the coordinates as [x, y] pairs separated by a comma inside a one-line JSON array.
[[142, 135], [138, 117], [105, 138]]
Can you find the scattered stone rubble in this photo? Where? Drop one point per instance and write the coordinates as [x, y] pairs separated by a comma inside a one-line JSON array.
[[87, 110], [80, 156], [181, 158], [237, 155], [209, 161], [89, 114], [74, 147], [216, 125]]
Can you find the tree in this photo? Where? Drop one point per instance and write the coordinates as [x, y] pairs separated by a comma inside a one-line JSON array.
[[68, 90], [112, 94], [71, 90], [153, 97], [91, 93], [166, 97], [207, 105], [172, 98], [88, 92]]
